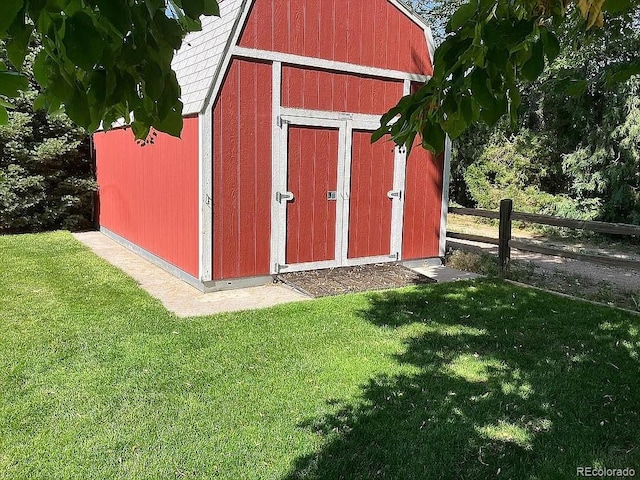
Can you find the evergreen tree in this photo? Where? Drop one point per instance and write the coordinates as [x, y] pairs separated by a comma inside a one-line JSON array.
[[46, 174]]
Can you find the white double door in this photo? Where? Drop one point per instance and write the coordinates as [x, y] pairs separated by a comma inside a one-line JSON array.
[[338, 199]]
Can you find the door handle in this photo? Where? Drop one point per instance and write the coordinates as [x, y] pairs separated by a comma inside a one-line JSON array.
[[394, 194], [286, 196]]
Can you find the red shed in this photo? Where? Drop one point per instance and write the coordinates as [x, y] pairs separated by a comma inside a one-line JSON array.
[[275, 171]]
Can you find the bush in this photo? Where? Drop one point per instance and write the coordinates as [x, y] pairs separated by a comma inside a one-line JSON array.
[[46, 173]]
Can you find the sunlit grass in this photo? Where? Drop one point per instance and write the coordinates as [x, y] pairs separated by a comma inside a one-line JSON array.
[[99, 381]]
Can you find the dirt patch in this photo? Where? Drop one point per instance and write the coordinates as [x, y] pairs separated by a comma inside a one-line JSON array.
[[338, 281]]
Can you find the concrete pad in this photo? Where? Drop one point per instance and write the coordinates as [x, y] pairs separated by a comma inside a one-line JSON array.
[[179, 297], [442, 274]]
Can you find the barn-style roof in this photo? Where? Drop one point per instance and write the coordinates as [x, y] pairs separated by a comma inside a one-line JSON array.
[[202, 56]]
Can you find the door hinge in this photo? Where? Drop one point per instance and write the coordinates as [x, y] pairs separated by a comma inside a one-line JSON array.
[[279, 267], [281, 121], [286, 196]]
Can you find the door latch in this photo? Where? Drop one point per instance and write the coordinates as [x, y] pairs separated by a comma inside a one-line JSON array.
[[394, 194], [286, 196], [332, 195]]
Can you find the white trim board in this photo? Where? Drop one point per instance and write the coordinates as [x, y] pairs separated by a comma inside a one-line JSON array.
[[322, 64], [446, 180], [205, 199]]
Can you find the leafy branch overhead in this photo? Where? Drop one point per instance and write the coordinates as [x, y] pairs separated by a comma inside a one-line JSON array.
[[101, 60], [492, 45]]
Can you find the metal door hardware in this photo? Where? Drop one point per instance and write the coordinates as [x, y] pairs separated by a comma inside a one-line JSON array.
[[286, 196], [332, 195], [394, 194]]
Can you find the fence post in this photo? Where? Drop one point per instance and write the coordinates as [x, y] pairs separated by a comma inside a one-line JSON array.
[[504, 235]]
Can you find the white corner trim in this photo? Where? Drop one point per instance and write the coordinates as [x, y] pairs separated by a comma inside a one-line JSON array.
[[431, 44], [276, 181], [320, 63], [205, 199], [446, 180]]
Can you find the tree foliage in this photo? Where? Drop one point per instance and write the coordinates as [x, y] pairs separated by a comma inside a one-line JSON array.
[[577, 156], [491, 46], [46, 177], [101, 60]]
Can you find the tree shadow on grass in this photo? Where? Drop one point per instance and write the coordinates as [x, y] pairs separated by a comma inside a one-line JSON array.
[[509, 383]]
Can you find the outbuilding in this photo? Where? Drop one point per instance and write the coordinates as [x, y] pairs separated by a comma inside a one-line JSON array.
[[275, 170]]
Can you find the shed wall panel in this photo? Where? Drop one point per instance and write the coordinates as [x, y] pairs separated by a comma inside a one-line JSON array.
[[242, 172], [364, 32], [330, 91], [423, 200], [149, 195]]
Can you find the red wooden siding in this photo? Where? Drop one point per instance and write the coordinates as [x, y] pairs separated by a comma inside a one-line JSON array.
[[149, 195], [374, 33], [313, 171], [242, 172], [423, 205], [330, 91], [369, 207]]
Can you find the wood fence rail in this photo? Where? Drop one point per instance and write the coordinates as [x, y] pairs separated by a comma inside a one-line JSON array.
[[505, 242]]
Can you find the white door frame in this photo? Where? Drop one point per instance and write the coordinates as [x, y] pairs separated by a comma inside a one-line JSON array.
[[345, 123]]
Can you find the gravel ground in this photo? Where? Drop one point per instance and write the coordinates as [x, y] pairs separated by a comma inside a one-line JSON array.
[[337, 281]]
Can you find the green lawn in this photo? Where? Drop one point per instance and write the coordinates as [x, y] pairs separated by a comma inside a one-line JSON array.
[[470, 380]]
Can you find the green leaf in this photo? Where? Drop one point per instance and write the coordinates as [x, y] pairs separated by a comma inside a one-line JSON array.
[[533, 67], [479, 88], [211, 7], [117, 13], [172, 123], [576, 88], [83, 42], [8, 11], [4, 115], [153, 80], [499, 56], [617, 6], [433, 137], [17, 47], [624, 73], [551, 44], [41, 70], [11, 83], [193, 8], [491, 114], [40, 103], [461, 16], [78, 109]]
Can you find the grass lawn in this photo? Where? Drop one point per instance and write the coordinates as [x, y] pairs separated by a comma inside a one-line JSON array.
[[470, 380]]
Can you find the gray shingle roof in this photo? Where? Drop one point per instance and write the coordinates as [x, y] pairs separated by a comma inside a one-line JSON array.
[[196, 63]]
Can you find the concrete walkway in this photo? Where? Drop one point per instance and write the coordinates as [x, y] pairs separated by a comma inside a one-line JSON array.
[[442, 274], [186, 301], [179, 297]]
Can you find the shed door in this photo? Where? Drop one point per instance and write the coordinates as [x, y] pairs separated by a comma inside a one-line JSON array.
[[312, 157], [337, 198], [370, 197]]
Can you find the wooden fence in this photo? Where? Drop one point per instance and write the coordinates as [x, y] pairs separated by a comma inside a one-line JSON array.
[[505, 242]]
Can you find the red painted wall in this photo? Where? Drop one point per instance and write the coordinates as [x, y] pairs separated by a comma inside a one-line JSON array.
[[423, 200], [313, 171], [330, 91], [369, 207], [363, 32], [149, 195], [242, 121]]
